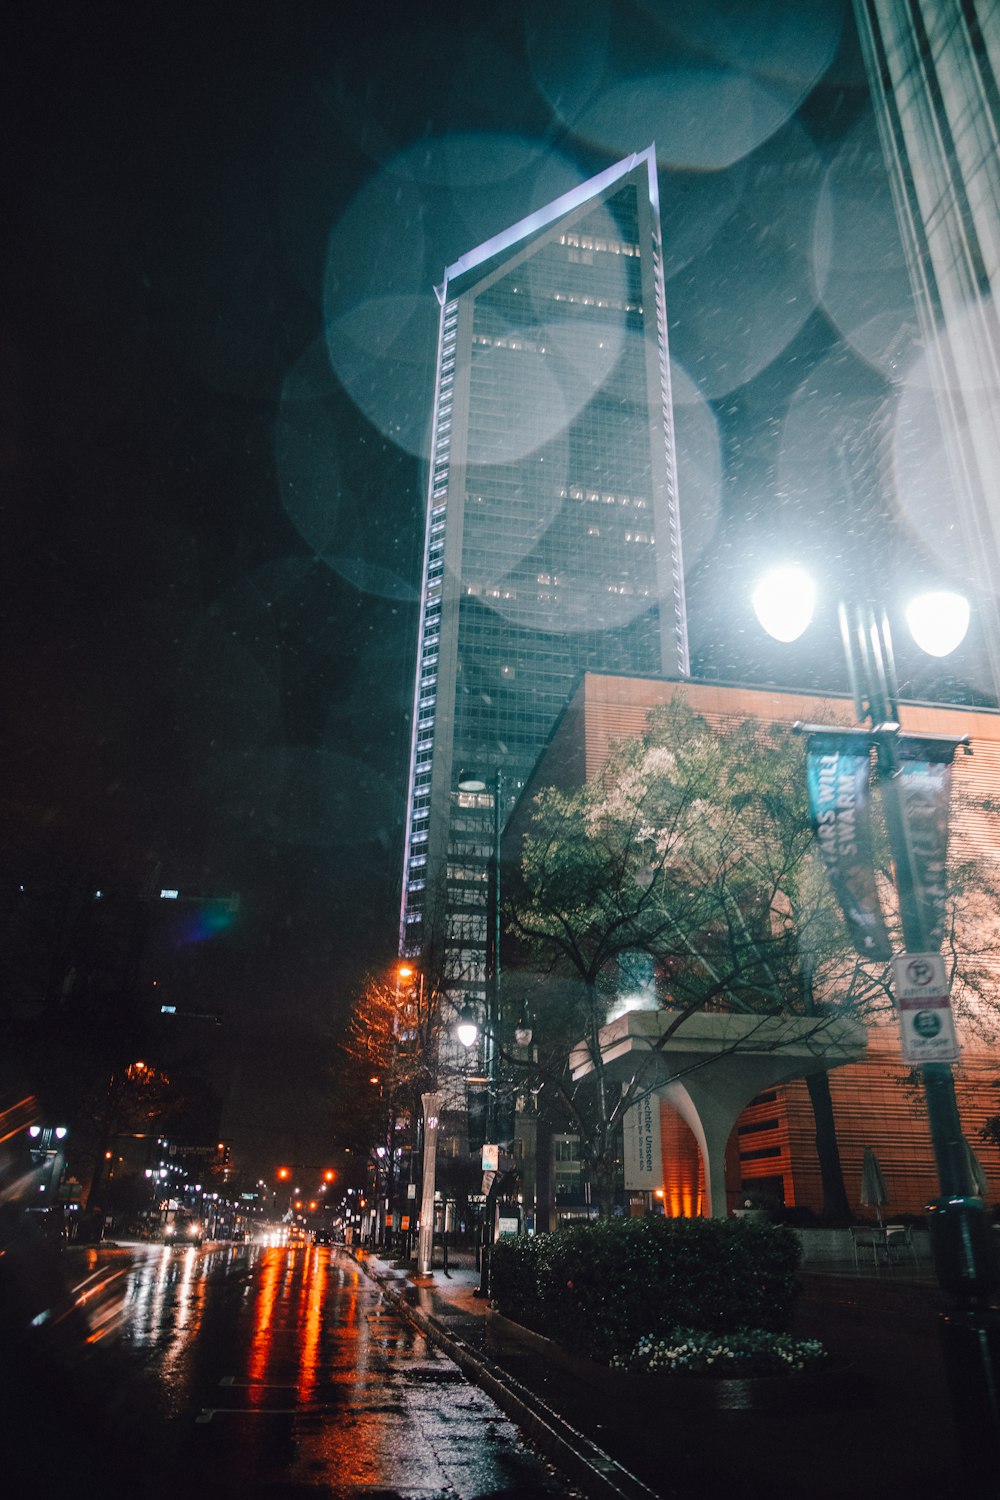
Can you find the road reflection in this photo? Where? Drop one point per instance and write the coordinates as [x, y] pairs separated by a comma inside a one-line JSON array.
[[240, 1370]]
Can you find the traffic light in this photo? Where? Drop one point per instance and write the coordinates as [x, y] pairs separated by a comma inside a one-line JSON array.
[[329, 1175], [284, 1173]]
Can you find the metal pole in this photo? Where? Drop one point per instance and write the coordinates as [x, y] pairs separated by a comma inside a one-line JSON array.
[[493, 964], [425, 1235], [964, 1256], [490, 1039]]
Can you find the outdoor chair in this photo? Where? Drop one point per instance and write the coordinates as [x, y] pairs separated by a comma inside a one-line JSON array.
[[865, 1238], [899, 1241]]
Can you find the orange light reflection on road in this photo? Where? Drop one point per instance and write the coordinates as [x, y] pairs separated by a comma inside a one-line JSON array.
[[273, 1269], [364, 1453], [317, 1271], [102, 1302]]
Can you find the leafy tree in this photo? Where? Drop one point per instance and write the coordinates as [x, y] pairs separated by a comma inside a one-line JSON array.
[[693, 847]]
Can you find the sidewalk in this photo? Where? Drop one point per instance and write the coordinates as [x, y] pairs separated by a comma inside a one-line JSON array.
[[880, 1421]]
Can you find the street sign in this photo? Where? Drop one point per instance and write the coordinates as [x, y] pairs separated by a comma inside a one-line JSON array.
[[927, 1032], [491, 1158], [919, 975], [926, 1026]]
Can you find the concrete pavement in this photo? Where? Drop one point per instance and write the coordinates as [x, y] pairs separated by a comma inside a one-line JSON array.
[[881, 1419]]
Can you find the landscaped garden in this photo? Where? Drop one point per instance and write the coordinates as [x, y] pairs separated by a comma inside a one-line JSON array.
[[709, 1297]]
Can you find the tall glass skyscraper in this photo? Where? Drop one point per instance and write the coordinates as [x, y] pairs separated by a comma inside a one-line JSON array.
[[553, 539]]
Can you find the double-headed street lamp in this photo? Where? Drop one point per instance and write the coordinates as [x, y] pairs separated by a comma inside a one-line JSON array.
[[48, 1158], [963, 1253]]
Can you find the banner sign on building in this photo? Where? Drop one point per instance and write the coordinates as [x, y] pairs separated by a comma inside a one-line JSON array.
[[642, 1159], [926, 1028], [924, 784], [838, 770]]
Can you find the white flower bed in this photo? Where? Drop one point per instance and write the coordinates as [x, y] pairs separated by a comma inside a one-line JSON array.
[[744, 1352]]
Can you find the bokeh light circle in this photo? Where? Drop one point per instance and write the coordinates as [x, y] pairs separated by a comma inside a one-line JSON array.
[[859, 268], [709, 84], [431, 204], [739, 304]]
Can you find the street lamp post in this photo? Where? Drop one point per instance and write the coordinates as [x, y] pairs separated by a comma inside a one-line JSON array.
[[472, 783], [425, 1237], [411, 1037], [485, 1287], [964, 1257], [49, 1161]]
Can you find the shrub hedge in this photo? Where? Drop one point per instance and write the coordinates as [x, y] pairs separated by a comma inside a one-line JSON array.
[[597, 1288]]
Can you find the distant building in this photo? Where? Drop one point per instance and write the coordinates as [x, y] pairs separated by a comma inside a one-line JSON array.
[[552, 542], [933, 71], [772, 1153]]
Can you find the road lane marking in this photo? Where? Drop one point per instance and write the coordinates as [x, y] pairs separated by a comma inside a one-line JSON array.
[[258, 1385], [208, 1412]]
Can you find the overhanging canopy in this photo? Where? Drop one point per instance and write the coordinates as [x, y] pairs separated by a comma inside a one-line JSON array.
[[710, 1065]]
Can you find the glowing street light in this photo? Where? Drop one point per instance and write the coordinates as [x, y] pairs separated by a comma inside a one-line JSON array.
[[938, 621], [467, 1027], [784, 601]]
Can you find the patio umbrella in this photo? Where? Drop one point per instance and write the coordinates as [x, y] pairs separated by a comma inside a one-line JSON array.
[[978, 1185], [873, 1193]]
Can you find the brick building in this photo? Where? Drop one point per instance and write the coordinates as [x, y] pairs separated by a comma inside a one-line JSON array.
[[876, 1102]]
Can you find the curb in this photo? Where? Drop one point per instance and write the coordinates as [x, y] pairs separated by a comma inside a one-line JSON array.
[[588, 1466]]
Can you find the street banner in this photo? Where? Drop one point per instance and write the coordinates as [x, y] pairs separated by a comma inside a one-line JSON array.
[[838, 770], [926, 1026], [924, 783], [642, 1158]]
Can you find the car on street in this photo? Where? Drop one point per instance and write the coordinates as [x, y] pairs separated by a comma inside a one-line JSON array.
[[183, 1229]]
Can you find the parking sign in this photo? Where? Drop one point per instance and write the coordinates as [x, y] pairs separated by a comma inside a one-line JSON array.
[[926, 1027]]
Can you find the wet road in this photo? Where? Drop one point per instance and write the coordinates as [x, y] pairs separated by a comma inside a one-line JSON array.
[[276, 1371]]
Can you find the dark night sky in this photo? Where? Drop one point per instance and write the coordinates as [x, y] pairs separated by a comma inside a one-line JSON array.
[[213, 513]]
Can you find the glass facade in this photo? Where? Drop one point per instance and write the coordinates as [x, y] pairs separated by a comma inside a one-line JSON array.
[[934, 73], [552, 527]]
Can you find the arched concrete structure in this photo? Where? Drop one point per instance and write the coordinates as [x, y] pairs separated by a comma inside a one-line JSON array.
[[709, 1066]]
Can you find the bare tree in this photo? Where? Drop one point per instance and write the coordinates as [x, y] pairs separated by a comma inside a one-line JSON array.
[[134, 1100]]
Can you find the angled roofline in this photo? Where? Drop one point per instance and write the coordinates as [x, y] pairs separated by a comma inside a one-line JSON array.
[[542, 217]]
